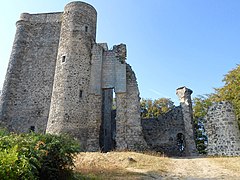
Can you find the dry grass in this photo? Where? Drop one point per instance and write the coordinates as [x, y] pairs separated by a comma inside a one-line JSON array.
[[231, 163], [132, 165], [119, 165]]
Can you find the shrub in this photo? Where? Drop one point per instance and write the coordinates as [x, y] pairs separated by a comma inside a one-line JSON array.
[[36, 156], [15, 159], [58, 160]]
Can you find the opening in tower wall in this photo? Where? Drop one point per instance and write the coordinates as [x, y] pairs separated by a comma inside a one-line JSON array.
[[108, 124]]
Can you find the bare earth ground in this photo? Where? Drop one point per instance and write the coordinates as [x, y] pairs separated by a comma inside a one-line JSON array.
[[132, 165]]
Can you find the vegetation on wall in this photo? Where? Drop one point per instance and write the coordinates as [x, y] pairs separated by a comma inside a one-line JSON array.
[[36, 156]]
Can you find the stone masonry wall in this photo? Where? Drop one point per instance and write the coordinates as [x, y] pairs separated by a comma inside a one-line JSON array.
[[161, 133], [70, 103], [172, 133], [222, 130], [56, 77], [128, 128], [184, 95], [27, 88]]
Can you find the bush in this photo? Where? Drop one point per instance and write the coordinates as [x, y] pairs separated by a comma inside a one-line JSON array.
[[59, 153], [36, 156]]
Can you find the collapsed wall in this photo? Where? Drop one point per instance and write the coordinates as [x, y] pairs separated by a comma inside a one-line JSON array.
[[129, 133], [162, 133], [222, 130], [172, 133]]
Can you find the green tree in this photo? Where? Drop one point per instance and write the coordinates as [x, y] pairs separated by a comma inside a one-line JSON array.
[[153, 108], [201, 104], [200, 108], [231, 90]]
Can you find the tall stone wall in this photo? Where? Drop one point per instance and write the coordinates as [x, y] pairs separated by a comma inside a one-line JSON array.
[[27, 89], [222, 130], [129, 133]]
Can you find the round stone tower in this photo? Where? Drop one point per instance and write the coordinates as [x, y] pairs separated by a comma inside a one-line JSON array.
[[69, 103], [222, 130]]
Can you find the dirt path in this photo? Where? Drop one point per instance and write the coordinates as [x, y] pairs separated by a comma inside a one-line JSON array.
[[198, 168], [202, 168], [130, 165]]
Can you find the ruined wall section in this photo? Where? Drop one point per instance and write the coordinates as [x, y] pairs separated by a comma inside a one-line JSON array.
[[184, 95], [71, 101], [117, 74], [114, 70], [161, 133], [172, 133], [222, 130], [27, 88], [129, 130]]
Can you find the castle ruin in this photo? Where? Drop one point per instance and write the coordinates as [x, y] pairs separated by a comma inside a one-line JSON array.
[[172, 133], [222, 130], [59, 80]]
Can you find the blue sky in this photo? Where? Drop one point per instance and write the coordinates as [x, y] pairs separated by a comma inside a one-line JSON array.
[[171, 43]]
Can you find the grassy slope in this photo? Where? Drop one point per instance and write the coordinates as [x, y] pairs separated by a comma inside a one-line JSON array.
[[131, 165]]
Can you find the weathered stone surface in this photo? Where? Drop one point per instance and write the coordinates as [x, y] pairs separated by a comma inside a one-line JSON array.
[[161, 133], [129, 133], [172, 133], [69, 110], [59, 80], [184, 95], [222, 130], [27, 89]]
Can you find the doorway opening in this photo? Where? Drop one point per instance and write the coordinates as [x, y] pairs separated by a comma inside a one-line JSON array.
[[108, 125], [180, 142]]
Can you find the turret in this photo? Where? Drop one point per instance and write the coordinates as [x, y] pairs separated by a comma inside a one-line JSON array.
[[69, 103]]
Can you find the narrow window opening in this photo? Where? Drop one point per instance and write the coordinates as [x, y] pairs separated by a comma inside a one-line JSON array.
[[63, 59], [80, 93], [86, 28], [32, 129]]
